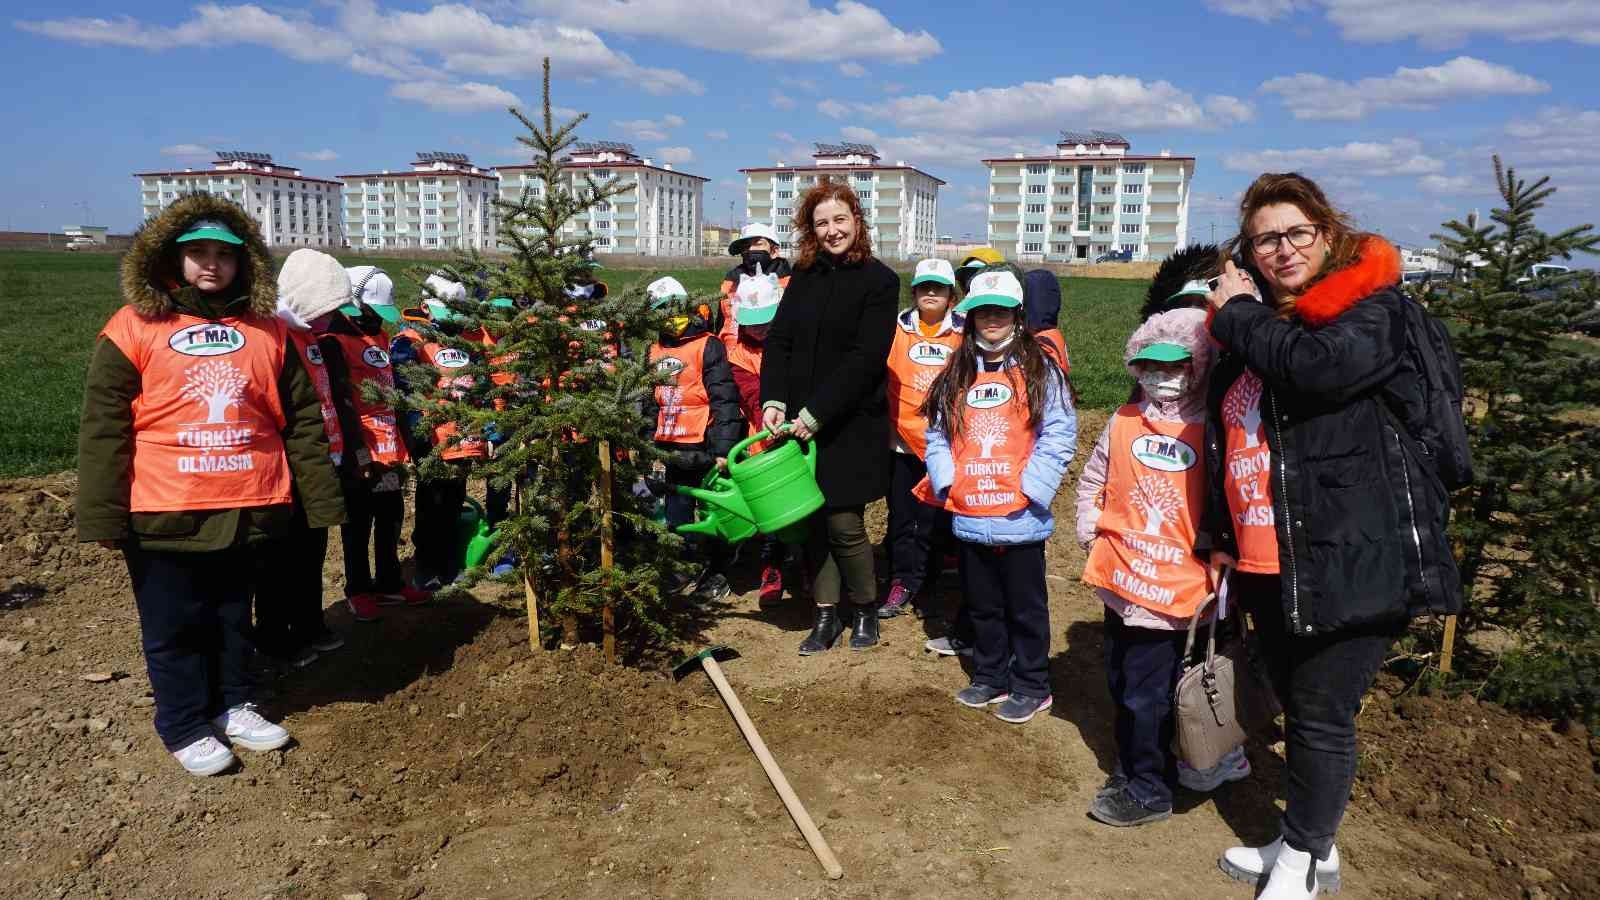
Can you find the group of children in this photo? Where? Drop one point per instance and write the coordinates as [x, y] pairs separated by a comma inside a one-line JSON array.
[[232, 417]]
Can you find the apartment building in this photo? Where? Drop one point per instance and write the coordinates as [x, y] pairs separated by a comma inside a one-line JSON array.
[[1093, 197], [443, 202], [659, 211], [292, 209], [901, 202]]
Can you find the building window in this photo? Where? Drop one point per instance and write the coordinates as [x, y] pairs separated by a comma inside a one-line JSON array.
[[1131, 229], [1037, 168], [1131, 248], [1103, 210], [1133, 208], [1107, 190], [1036, 189], [1108, 170], [786, 195], [1034, 227], [1063, 210], [785, 177], [1032, 248], [1133, 168], [1036, 207], [1102, 229], [865, 195], [1064, 190], [1133, 189], [1062, 228], [1058, 248], [785, 210]]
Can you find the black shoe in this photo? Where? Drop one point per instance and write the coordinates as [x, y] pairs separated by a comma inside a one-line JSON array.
[[824, 631], [1115, 782], [866, 631], [1122, 810]]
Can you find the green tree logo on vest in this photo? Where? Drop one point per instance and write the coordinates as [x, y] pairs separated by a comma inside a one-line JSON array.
[[206, 339]]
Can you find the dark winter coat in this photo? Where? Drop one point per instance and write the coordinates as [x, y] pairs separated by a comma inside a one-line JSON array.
[[1360, 516], [827, 353], [727, 423], [105, 432]]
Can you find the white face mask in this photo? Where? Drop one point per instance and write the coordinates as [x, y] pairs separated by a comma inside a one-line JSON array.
[[994, 346], [1161, 386]]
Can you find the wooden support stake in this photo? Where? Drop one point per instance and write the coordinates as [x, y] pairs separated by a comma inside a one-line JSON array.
[[1449, 644], [607, 548], [533, 613]]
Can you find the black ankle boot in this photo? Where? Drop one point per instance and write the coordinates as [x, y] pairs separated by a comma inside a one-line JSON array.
[[824, 631], [865, 633]]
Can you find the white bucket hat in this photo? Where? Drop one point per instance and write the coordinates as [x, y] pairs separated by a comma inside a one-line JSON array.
[[310, 285], [749, 233]]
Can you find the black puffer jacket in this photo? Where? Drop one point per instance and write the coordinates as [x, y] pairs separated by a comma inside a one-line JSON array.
[[1360, 517], [726, 426]]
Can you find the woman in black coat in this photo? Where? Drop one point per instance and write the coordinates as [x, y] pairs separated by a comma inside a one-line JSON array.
[[1331, 513], [823, 372]]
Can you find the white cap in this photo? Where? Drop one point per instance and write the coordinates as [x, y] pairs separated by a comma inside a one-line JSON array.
[[749, 233], [992, 289], [311, 284], [937, 271], [371, 285], [446, 289], [664, 290]]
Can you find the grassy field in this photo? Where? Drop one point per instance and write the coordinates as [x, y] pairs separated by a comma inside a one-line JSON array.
[[53, 304]]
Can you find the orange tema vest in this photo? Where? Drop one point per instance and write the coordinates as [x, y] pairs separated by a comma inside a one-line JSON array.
[[992, 448], [366, 360], [914, 362], [1247, 476], [684, 406], [311, 355], [1055, 344], [740, 354], [448, 361], [1155, 488], [208, 423]]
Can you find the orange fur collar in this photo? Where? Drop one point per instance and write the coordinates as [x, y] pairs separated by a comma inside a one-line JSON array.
[[1377, 267]]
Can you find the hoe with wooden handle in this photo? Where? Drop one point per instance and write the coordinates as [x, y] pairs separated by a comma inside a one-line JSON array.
[[707, 659]]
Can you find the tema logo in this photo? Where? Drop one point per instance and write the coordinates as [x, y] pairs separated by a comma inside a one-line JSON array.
[[314, 354], [375, 357], [592, 325], [928, 353], [206, 339], [988, 396], [1163, 453], [450, 358], [669, 365]]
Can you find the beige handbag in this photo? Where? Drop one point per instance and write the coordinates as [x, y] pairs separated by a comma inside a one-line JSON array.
[[1219, 699]]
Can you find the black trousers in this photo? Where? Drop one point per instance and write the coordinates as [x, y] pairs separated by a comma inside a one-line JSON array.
[[375, 517], [680, 511], [288, 587], [1320, 681], [1142, 669], [1005, 596], [194, 628], [435, 534], [914, 526]]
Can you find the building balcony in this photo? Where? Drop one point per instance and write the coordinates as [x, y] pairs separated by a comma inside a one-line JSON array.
[[1161, 219], [1004, 217], [624, 216], [1002, 236], [1103, 217], [627, 232], [1163, 198], [885, 219], [1161, 238], [1166, 178], [1005, 179], [1105, 179]]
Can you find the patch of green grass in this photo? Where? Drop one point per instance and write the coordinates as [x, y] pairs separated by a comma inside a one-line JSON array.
[[53, 305]]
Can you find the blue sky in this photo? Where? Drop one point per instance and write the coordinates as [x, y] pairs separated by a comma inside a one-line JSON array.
[[1394, 105]]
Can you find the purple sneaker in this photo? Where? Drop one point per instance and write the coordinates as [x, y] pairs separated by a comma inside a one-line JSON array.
[[899, 600]]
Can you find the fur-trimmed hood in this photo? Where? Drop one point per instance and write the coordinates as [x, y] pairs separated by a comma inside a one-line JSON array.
[[1377, 267], [148, 279]]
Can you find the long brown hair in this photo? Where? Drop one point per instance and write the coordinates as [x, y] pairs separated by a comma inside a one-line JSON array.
[[1344, 241], [1024, 359], [806, 238]]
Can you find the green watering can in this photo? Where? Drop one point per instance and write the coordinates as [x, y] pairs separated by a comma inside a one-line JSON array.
[[726, 515], [473, 534], [779, 484]]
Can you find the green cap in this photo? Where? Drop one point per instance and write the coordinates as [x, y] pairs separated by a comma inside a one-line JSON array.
[[997, 288], [1196, 288], [502, 303], [755, 315], [1162, 352], [385, 311], [210, 230]]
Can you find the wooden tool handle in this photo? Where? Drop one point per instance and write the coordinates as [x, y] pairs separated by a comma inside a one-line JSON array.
[[797, 811]]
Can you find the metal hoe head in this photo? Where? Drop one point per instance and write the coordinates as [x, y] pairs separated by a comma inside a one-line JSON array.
[[693, 663]]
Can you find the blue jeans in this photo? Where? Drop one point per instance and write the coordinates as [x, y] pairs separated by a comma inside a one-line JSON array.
[[1142, 668], [194, 626]]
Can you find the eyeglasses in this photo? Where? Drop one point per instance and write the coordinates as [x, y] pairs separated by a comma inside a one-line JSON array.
[[1300, 237]]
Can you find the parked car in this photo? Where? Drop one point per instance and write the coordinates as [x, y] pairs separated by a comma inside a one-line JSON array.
[[1115, 256], [81, 243], [1417, 276]]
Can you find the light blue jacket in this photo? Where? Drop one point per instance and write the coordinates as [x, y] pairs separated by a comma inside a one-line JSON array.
[[1041, 477]]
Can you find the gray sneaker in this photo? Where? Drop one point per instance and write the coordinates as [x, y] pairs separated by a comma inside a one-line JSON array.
[[948, 646], [1018, 709], [978, 696], [1115, 782]]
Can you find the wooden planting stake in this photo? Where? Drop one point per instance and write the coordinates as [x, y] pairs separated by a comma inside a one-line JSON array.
[[1449, 644], [533, 612]]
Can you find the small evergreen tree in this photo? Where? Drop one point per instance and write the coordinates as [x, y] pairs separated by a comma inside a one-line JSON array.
[[559, 393], [1527, 532]]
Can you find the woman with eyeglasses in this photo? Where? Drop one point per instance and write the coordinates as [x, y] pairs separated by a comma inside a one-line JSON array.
[[1329, 514]]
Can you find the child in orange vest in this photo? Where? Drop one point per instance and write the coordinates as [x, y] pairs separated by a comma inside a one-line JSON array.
[[925, 337], [695, 415], [1001, 432], [198, 416], [1140, 498]]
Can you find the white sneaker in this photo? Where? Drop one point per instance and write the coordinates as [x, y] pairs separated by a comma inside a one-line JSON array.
[[243, 727], [207, 756], [1234, 766], [1250, 865]]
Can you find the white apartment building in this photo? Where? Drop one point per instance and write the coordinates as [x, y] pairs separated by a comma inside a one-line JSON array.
[[901, 202], [293, 210], [443, 202], [1092, 197], [658, 213]]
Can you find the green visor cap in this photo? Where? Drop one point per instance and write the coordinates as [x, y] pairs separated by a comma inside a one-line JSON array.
[[1193, 289], [502, 303], [210, 230], [385, 311], [932, 278], [755, 315], [977, 300], [1162, 353]]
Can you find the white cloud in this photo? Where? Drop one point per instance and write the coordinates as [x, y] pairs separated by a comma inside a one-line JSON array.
[[717, 134], [930, 149], [1449, 184], [1437, 23], [785, 136], [1316, 97], [649, 129], [1109, 101], [1401, 156], [318, 155], [455, 97], [792, 30], [852, 70], [809, 85], [780, 100], [212, 25], [675, 155], [187, 151], [1555, 141], [833, 109]]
